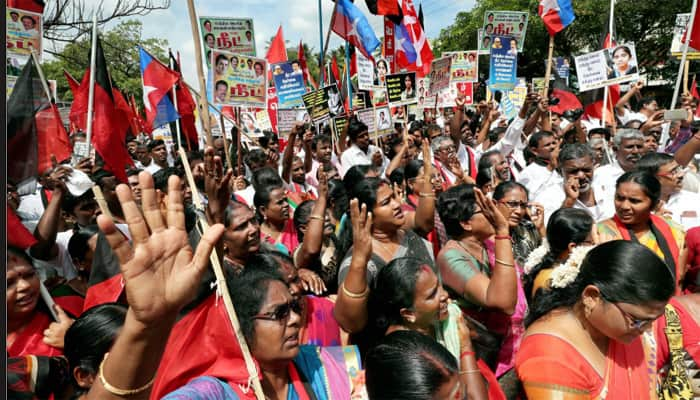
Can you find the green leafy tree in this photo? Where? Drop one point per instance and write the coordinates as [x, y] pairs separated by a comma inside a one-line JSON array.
[[120, 45], [647, 24]]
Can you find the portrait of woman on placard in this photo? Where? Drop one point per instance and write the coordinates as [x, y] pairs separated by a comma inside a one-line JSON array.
[[623, 63], [382, 69]]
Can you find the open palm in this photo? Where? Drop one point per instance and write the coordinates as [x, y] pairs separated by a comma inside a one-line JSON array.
[[160, 270]]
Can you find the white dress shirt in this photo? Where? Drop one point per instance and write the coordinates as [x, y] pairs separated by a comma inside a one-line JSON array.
[[353, 155], [685, 208], [537, 178]]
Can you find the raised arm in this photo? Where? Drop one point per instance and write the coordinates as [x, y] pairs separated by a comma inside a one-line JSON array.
[[308, 157], [634, 89], [288, 155], [161, 275], [47, 228], [313, 238], [351, 306], [686, 152], [457, 120], [424, 217]]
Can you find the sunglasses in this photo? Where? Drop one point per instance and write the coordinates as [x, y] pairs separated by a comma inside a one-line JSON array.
[[281, 312], [636, 323]]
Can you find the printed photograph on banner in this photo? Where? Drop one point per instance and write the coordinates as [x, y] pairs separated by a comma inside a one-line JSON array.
[[337, 126], [464, 66], [289, 83], [448, 97], [365, 72], [506, 23], [384, 123], [235, 35], [263, 119], [383, 68], [272, 106], [401, 88], [606, 67], [23, 32], [286, 119], [538, 84], [361, 99], [239, 80], [503, 63], [679, 29], [366, 116], [317, 104], [336, 105], [518, 95], [250, 124], [425, 100], [398, 115], [439, 75], [483, 42]]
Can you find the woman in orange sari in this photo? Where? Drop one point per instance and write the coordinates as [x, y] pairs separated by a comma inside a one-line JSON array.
[[637, 194], [588, 334]]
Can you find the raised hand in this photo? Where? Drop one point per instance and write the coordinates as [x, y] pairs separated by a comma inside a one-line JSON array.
[[216, 186], [159, 269], [311, 282], [361, 230], [491, 212], [54, 334], [571, 188]]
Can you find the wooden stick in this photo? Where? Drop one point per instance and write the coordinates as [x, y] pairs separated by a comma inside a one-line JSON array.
[[204, 114], [548, 71], [91, 90], [100, 198], [686, 66], [222, 286], [238, 144]]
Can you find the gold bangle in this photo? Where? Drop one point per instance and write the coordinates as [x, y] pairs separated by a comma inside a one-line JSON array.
[[317, 217], [121, 392], [504, 263], [354, 295], [429, 194], [470, 371]]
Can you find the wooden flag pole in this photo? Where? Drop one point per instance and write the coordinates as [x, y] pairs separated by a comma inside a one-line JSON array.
[[548, 71], [239, 156], [222, 287], [226, 149], [91, 92], [686, 66], [177, 123], [328, 37], [204, 112], [689, 33]]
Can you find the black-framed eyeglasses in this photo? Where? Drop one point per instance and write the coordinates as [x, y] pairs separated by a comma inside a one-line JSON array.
[[636, 323], [281, 312]]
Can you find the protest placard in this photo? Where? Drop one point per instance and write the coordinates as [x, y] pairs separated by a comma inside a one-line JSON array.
[[337, 127], [365, 72], [317, 104], [606, 67], [464, 66], [518, 95], [23, 33], [503, 64], [439, 75], [679, 29], [263, 120], [506, 23], [235, 35], [272, 106], [401, 88], [483, 42], [447, 97], [286, 118], [367, 117], [289, 83], [538, 84], [425, 100], [383, 117], [239, 80], [249, 123]]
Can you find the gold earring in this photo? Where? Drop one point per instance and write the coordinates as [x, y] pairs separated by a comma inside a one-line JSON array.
[[411, 319]]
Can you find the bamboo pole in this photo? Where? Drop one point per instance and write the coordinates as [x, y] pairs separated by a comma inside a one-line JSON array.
[[223, 135], [239, 156], [222, 287], [548, 71], [686, 66], [44, 83], [91, 92], [204, 112]]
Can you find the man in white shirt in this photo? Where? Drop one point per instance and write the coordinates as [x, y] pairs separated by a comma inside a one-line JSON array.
[[577, 190], [628, 145], [542, 172], [446, 162], [681, 205], [322, 151], [159, 156], [360, 151]]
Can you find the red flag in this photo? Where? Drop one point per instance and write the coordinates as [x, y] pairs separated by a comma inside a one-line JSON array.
[[305, 69], [567, 101], [157, 80], [353, 61], [593, 99], [335, 70], [17, 234], [108, 127], [695, 34], [424, 55], [52, 138], [277, 52], [36, 6], [186, 106], [72, 83], [78, 109], [272, 104]]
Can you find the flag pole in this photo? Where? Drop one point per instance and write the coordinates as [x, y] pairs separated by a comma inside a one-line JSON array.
[[212, 108], [204, 114], [685, 53], [547, 72], [227, 154], [177, 123], [328, 35], [182, 81], [347, 73], [320, 35], [91, 92], [686, 66], [606, 90], [44, 83]]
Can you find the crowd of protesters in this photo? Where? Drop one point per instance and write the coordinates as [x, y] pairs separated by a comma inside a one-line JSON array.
[[464, 256]]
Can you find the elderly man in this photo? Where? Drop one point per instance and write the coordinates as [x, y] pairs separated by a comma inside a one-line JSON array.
[[680, 205], [446, 162], [576, 166], [628, 145]]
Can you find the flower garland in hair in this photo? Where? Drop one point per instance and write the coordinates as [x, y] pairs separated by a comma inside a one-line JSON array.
[[536, 256], [564, 274]]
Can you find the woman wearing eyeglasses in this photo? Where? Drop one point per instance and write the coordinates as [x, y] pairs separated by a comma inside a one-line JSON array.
[[637, 196], [591, 337], [479, 276], [525, 220]]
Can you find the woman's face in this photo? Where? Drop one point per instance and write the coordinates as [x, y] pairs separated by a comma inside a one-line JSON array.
[[632, 205], [22, 287], [381, 69], [621, 58], [624, 322], [277, 209], [387, 214], [514, 206], [408, 82], [276, 335], [481, 227], [429, 299], [242, 237], [258, 70]]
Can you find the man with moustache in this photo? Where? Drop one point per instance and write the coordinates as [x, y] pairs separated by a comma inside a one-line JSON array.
[[628, 145], [577, 190]]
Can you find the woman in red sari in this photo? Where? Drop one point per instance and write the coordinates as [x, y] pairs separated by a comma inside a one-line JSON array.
[[30, 328], [588, 335]]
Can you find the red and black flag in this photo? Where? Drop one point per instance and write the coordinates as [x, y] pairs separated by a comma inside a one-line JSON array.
[[186, 107], [34, 128], [109, 125], [388, 8]]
